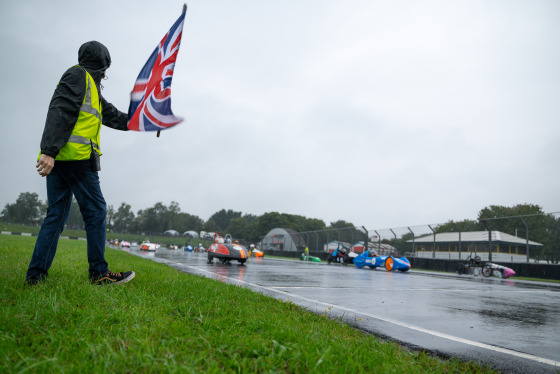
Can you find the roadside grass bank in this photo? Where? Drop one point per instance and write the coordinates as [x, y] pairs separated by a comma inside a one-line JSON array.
[[175, 240], [172, 322], [283, 258], [536, 279]]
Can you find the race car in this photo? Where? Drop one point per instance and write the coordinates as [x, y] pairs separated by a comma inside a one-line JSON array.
[[390, 263], [147, 246], [339, 255], [343, 254], [475, 266], [226, 251], [305, 257], [253, 251], [125, 244]]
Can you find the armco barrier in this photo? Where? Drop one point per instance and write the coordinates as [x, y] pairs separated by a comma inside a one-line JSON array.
[[17, 233], [33, 234], [543, 271]]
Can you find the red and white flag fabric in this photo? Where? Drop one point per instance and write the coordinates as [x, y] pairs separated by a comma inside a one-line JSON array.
[[150, 100]]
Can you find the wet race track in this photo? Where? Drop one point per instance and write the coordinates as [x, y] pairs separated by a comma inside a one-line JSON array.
[[514, 326]]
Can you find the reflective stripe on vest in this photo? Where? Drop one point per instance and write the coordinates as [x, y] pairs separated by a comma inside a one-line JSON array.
[[81, 140], [85, 135], [86, 106]]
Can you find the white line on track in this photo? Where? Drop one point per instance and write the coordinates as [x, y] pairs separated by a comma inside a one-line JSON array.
[[389, 320], [416, 289]]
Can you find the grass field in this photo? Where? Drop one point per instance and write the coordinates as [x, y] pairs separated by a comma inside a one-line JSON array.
[[110, 235], [172, 322]]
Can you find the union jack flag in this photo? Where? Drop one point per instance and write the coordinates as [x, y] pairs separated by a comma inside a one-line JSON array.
[[150, 100]]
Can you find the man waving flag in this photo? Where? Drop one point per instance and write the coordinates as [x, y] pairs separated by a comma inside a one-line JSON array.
[[150, 100]]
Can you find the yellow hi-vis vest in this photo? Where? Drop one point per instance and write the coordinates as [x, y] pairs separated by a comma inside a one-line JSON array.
[[87, 128]]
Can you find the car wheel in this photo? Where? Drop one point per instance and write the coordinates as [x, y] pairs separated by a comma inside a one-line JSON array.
[[499, 273], [389, 264]]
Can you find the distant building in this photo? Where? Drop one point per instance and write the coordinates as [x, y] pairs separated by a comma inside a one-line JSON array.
[[191, 234], [283, 240], [379, 248], [331, 246], [454, 245]]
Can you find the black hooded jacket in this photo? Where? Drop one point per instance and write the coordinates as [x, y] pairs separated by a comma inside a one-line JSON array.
[[64, 108]]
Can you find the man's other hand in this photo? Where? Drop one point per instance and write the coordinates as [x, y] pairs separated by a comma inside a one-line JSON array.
[[45, 165]]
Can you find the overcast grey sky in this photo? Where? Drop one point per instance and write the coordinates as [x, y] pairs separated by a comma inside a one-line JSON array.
[[381, 113]]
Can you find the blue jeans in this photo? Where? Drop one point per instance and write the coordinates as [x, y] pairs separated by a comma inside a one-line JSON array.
[[66, 179]]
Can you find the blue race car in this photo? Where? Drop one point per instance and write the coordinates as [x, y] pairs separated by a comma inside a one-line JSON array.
[[389, 262]]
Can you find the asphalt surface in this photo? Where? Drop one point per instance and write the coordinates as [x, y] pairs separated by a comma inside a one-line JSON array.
[[510, 325]]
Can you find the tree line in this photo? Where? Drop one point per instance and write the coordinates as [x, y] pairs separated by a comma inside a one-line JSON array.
[[542, 228], [29, 209]]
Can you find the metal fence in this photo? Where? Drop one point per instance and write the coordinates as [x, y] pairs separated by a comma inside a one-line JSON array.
[[522, 238]]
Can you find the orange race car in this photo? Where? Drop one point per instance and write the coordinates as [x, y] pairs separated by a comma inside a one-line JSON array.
[[226, 251]]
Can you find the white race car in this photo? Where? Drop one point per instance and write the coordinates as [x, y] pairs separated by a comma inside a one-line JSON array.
[[149, 246]]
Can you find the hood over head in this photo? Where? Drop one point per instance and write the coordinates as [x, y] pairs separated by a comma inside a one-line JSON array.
[[94, 57]]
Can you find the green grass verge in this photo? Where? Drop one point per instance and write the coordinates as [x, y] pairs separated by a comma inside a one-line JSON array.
[[172, 322], [14, 227], [110, 235], [536, 279], [283, 257]]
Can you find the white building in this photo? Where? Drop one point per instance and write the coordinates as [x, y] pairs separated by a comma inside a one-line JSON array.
[[455, 245]]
